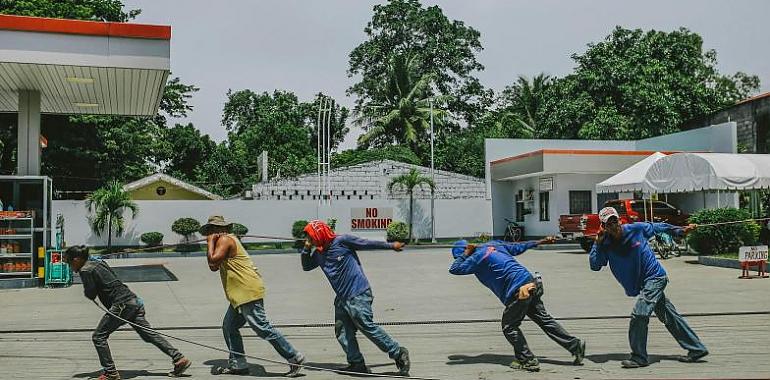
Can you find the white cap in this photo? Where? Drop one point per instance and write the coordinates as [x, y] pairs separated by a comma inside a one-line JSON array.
[[606, 213]]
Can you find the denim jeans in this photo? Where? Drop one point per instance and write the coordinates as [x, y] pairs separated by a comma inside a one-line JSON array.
[[533, 308], [132, 311], [252, 313], [650, 299], [354, 315]]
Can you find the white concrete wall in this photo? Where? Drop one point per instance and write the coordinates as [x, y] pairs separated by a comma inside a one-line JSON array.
[[454, 218]]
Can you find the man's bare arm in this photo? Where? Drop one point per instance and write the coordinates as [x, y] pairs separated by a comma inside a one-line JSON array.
[[219, 250]]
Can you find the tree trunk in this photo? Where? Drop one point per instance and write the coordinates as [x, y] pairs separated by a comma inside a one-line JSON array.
[[411, 216], [109, 234]]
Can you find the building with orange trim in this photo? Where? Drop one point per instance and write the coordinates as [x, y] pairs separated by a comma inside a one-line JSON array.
[[533, 182]]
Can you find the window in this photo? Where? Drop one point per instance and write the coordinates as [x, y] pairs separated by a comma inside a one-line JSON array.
[[544, 206], [580, 202]]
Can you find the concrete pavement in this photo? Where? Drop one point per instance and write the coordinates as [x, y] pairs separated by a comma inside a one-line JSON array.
[[408, 286]]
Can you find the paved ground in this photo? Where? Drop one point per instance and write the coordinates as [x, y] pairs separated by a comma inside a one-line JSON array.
[[411, 286]]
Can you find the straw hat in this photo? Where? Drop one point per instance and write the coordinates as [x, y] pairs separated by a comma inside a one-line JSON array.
[[214, 221]]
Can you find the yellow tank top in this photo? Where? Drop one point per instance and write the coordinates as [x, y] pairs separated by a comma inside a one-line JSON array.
[[240, 278]]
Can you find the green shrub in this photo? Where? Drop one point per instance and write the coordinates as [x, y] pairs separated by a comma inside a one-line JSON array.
[[152, 239], [298, 232], [185, 226], [482, 238], [239, 229], [398, 231], [726, 238]]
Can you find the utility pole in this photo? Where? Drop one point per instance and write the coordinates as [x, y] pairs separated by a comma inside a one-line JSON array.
[[433, 178]]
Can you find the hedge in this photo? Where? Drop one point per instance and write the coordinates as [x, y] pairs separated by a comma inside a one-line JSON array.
[[726, 238], [397, 231], [152, 239]]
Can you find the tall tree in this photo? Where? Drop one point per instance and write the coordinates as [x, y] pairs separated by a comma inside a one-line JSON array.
[[522, 100], [106, 206], [186, 149], [638, 84], [225, 171], [99, 10], [405, 113], [280, 124], [443, 48], [408, 182]]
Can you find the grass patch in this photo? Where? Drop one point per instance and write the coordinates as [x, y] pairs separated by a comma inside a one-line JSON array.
[[733, 256]]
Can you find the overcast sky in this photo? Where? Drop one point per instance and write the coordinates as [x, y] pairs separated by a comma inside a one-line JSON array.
[[303, 45]]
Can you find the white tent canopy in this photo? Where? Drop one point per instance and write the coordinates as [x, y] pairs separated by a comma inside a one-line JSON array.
[[632, 179], [688, 172]]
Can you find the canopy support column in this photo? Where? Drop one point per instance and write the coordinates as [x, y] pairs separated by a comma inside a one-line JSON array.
[[28, 135]]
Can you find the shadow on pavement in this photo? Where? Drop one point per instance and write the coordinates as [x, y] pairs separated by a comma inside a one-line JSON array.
[[504, 360], [255, 370], [124, 374], [604, 358], [338, 366]]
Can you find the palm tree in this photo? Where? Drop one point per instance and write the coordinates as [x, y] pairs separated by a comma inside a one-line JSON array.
[[107, 205], [403, 117], [408, 181], [525, 97]]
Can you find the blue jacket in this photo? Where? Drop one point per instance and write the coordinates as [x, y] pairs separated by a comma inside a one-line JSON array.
[[494, 265], [632, 262], [341, 265]]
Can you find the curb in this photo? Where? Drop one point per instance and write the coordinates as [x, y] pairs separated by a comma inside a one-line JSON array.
[[713, 261]]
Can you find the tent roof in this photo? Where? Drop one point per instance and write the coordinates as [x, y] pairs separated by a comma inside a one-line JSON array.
[[631, 179], [687, 172]]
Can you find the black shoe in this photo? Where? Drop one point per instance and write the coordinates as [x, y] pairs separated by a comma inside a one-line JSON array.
[[357, 368], [229, 371], [632, 364], [580, 353], [531, 365], [693, 358], [402, 362]]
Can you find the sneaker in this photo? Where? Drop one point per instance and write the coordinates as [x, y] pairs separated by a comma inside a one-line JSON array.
[[531, 365], [357, 368], [580, 353], [402, 362], [296, 365], [229, 371], [109, 376], [632, 364], [180, 366], [693, 358]]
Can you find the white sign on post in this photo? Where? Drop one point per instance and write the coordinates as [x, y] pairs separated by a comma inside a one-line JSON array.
[[758, 253], [370, 218]]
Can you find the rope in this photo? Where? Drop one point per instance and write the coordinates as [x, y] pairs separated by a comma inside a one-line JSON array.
[[257, 357], [431, 322]]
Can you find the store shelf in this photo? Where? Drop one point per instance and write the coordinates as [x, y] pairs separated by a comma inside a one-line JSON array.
[[16, 237], [14, 255], [15, 273]]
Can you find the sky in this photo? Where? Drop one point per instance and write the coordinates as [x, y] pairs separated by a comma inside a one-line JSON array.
[[303, 45]]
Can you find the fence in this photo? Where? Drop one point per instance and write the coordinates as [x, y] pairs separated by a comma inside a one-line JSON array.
[[454, 217]]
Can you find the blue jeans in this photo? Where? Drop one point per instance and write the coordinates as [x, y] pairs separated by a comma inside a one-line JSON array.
[[353, 315], [650, 299], [252, 313]]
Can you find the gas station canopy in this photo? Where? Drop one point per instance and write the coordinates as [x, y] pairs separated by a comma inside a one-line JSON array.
[[83, 67], [60, 66]]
